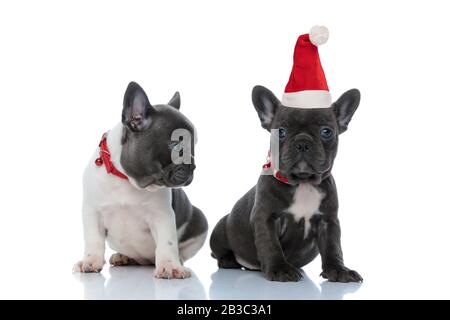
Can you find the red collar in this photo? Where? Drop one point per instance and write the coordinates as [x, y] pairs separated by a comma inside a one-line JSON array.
[[277, 174], [105, 158]]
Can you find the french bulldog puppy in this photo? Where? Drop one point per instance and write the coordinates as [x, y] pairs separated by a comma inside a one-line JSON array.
[[132, 191], [291, 216]]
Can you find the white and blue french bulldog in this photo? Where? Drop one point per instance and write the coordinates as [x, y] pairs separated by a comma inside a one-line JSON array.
[[132, 197]]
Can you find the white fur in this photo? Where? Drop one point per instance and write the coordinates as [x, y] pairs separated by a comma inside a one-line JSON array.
[[189, 247], [318, 35], [307, 199], [139, 223]]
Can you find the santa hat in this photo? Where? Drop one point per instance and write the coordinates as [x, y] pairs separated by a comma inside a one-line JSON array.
[[307, 86]]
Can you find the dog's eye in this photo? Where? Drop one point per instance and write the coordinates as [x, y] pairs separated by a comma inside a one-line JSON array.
[[326, 133], [282, 133]]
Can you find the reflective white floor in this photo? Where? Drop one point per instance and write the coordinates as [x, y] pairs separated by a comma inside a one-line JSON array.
[[138, 283], [42, 279]]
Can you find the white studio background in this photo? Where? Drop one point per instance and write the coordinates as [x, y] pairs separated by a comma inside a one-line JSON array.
[[64, 67]]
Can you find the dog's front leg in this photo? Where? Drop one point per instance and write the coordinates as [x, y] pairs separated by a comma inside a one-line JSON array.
[[94, 242], [268, 248], [329, 242], [164, 231], [329, 238]]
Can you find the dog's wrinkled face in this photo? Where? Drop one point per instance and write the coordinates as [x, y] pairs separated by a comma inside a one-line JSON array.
[[307, 138], [157, 143]]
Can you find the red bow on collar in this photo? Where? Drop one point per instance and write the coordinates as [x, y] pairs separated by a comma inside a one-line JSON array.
[[105, 158], [277, 174]]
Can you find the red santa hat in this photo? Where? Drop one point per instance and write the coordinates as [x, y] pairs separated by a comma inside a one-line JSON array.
[[307, 86]]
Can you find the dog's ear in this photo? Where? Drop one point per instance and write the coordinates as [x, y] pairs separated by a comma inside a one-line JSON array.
[[137, 109], [175, 101], [266, 104], [345, 107]]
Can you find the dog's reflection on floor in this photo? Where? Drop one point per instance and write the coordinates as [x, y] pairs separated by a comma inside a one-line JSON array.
[[138, 283], [337, 291], [239, 284]]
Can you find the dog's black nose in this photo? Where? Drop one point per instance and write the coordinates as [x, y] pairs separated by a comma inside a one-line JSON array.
[[304, 146]]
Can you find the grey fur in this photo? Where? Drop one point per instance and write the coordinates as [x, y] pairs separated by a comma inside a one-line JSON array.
[[259, 230], [147, 144], [146, 153]]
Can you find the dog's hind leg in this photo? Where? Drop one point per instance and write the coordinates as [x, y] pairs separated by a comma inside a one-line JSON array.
[[118, 259], [198, 231], [190, 247], [220, 247]]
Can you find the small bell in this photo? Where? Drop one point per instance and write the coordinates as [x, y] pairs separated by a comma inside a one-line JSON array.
[[98, 162]]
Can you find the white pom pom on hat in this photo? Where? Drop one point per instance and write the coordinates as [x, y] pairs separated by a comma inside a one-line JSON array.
[[318, 35]]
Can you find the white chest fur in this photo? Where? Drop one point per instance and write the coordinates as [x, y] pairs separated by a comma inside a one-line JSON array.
[[126, 212], [306, 203]]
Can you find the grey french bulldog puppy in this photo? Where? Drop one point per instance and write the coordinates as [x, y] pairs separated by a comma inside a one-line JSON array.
[[278, 227], [132, 195]]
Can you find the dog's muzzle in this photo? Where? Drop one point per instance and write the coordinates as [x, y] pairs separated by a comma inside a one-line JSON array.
[[178, 174]]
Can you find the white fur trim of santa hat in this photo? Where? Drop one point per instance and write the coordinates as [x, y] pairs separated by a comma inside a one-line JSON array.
[[307, 99]]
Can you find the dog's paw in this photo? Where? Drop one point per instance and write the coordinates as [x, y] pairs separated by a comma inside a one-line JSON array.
[[341, 274], [228, 262], [171, 270], [118, 259], [89, 264], [283, 273]]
